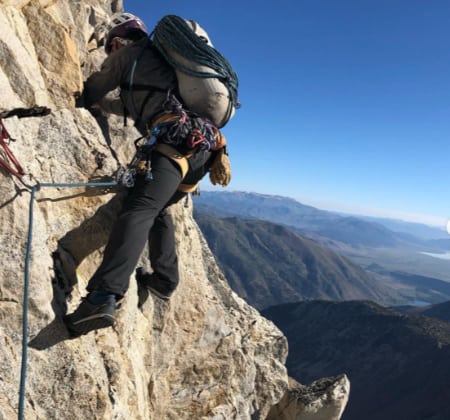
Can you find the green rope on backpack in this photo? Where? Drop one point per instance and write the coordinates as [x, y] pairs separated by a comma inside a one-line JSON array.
[[174, 32]]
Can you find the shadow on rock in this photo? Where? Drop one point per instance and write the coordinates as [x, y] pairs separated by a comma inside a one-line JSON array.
[[52, 334], [143, 295], [56, 331]]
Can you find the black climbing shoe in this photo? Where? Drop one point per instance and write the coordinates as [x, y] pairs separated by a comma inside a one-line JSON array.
[[153, 284], [89, 316]]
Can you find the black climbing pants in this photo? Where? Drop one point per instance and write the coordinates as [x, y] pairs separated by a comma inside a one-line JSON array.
[[144, 217]]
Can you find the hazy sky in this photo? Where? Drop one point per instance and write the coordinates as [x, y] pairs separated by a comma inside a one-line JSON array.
[[345, 104]]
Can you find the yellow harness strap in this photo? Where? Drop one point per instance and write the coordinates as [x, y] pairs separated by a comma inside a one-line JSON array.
[[175, 155], [181, 161]]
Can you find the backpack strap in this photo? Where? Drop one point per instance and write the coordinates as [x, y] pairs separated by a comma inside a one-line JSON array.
[[131, 86]]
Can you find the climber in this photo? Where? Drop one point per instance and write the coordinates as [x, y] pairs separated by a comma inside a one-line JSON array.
[[164, 171]]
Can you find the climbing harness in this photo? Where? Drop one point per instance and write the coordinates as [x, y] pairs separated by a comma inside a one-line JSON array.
[[141, 162], [179, 127], [175, 127], [185, 128]]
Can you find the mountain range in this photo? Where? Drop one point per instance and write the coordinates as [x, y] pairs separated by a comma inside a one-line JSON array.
[[287, 211], [391, 257]]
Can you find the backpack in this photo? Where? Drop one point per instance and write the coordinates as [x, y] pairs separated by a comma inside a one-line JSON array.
[[207, 83]]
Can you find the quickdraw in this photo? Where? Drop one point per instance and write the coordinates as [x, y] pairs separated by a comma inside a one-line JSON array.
[[7, 159], [9, 163], [139, 165]]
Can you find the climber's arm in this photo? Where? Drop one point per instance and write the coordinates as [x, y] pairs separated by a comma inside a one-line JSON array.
[[112, 105], [101, 82]]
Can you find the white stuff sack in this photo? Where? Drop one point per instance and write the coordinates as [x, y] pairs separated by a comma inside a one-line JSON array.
[[207, 97]]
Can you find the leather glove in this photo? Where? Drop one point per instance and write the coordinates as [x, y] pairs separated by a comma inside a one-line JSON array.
[[220, 172]]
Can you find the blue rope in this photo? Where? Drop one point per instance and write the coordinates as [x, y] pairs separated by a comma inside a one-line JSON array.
[[37, 187], [25, 308], [79, 184]]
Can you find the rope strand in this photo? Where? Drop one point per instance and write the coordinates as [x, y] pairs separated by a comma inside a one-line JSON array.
[[37, 187], [174, 32]]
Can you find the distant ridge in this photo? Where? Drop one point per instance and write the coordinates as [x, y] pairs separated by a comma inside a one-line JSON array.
[[274, 208], [439, 310], [349, 229]]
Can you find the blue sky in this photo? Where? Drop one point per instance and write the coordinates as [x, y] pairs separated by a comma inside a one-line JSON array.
[[345, 104]]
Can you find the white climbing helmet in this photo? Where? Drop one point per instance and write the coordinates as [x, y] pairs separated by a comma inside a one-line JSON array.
[[123, 25]]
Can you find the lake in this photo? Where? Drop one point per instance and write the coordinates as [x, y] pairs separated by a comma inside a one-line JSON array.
[[443, 256]]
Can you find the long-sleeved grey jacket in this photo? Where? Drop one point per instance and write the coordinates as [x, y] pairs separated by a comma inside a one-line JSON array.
[[141, 98]]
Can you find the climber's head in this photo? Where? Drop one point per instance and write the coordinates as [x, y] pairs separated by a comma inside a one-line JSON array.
[[123, 28]]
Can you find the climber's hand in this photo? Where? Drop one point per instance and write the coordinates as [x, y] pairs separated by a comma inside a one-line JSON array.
[[79, 100], [220, 172]]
